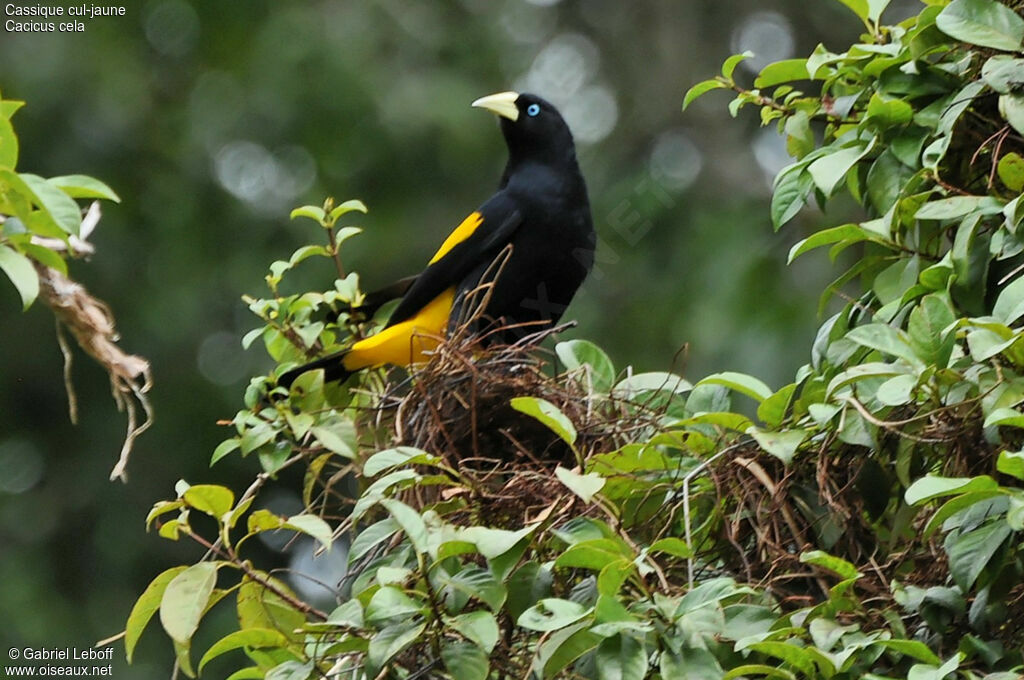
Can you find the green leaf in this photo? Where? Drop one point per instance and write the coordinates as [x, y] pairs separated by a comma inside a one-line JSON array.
[[1011, 463], [843, 233], [1011, 170], [83, 186], [954, 506], [400, 455], [836, 565], [953, 207], [782, 444], [654, 381], [61, 207], [22, 274], [829, 170], [858, 7], [1011, 107], [547, 413], [333, 441], [931, 487], [259, 607], [551, 614], [621, 657], [144, 608], [8, 143], [493, 543], [912, 648], [313, 212], [389, 603], [481, 584], [1003, 73], [730, 64], [353, 205], [676, 547], [390, 641], [897, 391], [982, 22], [782, 72], [690, 663], [1006, 417], [584, 486], [311, 525], [224, 448], [796, 657], [250, 637], [479, 627], [588, 357], [465, 661], [758, 669], [212, 499], [927, 331], [885, 339], [970, 553], [411, 522], [185, 598], [291, 670], [792, 187], [772, 411], [701, 88], [888, 113], [594, 554], [739, 382], [1009, 305]]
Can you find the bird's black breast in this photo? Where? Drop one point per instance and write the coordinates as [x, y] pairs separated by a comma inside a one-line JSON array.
[[551, 253]]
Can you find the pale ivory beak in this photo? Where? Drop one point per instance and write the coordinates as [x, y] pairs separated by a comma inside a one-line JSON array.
[[503, 104]]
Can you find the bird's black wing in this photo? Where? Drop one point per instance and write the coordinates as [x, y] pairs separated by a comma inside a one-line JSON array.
[[477, 240]]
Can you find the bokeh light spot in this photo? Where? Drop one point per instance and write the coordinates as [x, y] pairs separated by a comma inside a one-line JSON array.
[[769, 35], [675, 160], [221, 359], [21, 466], [172, 27]]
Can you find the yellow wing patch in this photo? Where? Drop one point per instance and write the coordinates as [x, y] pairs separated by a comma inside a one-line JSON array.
[[407, 342], [461, 233]]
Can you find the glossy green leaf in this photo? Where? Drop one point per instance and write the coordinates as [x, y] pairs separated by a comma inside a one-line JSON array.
[[144, 608], [311, 525], [740, 382], [22, 274], [582, 355], [782, 444], [249, 637], [547, 413], [212, 499], [782, 72], [83, 186], [930, 487], [551, 614], [583, 485], [982, 22], [701, 88], [1011, 463], [184, 600], [621, 657]]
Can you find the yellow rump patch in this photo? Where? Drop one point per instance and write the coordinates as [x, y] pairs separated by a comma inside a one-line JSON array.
[[461, 233], [407, 342]]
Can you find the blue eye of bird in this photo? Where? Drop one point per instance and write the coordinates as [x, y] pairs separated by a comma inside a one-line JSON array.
[[533, 109]]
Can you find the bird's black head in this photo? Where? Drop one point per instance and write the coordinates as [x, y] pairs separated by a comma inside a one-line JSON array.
[[533, 128]]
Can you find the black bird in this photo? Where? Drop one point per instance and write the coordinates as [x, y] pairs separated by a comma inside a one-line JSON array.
[[533, 241]]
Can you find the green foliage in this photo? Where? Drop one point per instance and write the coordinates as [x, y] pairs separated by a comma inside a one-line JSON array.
[[33, 208], [877, 495]]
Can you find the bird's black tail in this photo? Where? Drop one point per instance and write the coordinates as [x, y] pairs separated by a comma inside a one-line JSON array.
[[333, 365]]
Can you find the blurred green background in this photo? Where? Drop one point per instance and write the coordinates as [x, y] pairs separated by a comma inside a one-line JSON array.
[[213, 119]]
